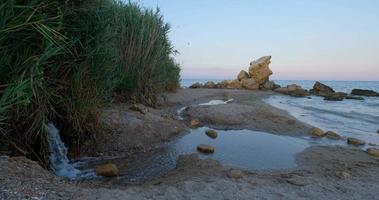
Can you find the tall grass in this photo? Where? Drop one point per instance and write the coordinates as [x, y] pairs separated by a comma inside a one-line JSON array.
[[62, 61]]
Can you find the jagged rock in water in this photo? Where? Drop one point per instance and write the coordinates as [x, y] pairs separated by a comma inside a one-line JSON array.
[[259, 69], [211, 133], [355, 141], [321, 89], [243, 75], [337, 96], [369, 93], [332, 135], [317, 132], [354, 98], [250, 84]]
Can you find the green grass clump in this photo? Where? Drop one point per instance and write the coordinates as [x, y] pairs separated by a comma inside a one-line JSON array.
[[62, 61]]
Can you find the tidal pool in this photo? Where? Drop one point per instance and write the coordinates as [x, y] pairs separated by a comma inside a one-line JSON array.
[[245, 149]]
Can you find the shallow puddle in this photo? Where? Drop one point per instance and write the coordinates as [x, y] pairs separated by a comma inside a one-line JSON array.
[[250, 150]]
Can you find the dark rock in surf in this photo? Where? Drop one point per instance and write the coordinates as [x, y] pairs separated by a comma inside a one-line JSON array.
[[321, 89], [337, 96], [368, 93], [355, 98], [355, 141]]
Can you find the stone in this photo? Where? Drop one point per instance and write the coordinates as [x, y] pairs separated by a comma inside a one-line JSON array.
[[209, 85], [259, 69], [211, 133], [196, 85], [299, 93], [299, 181], [194, 123], [107, 170], [321, 89], [373, 152], [250, 84], [236, 174], [355, 141], [377, 131], [203, 148], [223, 84], [332, 135], [354, 98], [137, 108], [337, 96], [317, 132], [293, 87], [243, 75], [269, 85], [369, 93], [343, 174], [234, 84]]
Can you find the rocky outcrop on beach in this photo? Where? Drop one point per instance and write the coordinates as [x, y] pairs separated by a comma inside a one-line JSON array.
[[321, 89], [257, 77], [293, 90]]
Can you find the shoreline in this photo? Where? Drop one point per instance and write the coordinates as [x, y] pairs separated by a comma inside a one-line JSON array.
[[349, 168]]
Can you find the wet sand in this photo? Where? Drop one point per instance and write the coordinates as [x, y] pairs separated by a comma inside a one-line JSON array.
[[323, 172]]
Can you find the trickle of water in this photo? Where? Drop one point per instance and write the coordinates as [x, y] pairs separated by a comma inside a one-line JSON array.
[[59, 162]]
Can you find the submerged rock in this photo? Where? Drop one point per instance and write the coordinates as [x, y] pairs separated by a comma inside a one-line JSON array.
[[355, 141], [259, 69], [250, 84], [203, 148], [373, 152], [107, 170], [337, 96], [332, 135], [317, 132], [211, 133], [321, 89], [354, 98], [243, 75], [369, 93], [196, 85], [236, 174]]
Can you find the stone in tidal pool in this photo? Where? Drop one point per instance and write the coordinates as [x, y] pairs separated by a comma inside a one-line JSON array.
[[107, 170], [316, 132], [332, 135], [194, 123], [355, 141], [373, 152], [211, 133], [203, 148]]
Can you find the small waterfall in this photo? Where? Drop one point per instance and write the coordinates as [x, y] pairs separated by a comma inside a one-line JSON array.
[[59, 162]]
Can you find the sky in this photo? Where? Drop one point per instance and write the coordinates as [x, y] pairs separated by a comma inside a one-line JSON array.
[[307, 39]]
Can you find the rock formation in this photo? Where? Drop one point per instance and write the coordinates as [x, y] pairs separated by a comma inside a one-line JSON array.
[[243, 75], [369, 93], [321, 89], [260, 71]]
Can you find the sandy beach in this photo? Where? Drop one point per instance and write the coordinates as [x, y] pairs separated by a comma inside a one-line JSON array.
[[333, 172]]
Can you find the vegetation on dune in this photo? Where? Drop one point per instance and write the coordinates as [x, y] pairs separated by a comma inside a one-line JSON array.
[[61, 61]]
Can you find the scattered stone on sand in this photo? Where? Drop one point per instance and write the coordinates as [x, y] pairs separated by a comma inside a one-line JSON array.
[[138, 108], [321, 89], [259, 69], [317, 132], [210, 85], [235, 174], [243, 75], [355, 141], [343, 174], [337, 96], [299, 180], [194, 123], [107, 170], [373, 152], [211, 133], [332, 135], [355, 98], [250, 84], [369, 93], [196, 85], [203, 148]]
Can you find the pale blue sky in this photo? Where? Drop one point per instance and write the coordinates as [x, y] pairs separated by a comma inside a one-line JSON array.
[[308, 39]]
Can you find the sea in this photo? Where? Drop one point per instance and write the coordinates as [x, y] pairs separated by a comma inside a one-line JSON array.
[[350, 118]]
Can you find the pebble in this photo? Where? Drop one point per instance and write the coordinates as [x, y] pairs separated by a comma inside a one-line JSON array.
[[355, 141], [236, 174], [203, 148]]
